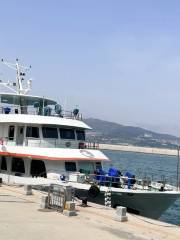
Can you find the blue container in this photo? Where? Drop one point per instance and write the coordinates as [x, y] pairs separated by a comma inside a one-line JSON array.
[[131, 179], [7, 110], [62, 178], [113, 174], [100, 177]]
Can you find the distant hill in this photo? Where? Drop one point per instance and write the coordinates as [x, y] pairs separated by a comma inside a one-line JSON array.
[[114, 133]]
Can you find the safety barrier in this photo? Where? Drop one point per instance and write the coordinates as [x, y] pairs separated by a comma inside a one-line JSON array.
[[56, 197]]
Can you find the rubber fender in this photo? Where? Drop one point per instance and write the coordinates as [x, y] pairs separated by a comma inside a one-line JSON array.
[[93, 191]]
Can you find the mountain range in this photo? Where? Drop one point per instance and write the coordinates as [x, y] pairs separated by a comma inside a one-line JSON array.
[[114, 133]]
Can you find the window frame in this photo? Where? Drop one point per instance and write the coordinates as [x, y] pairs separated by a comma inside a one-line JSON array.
[[67, 129], [15, 159], [84, 139], [86, 165], [31, 127], [98, 165], [72, 163], [45, 137], [11, 138], [3, 158]]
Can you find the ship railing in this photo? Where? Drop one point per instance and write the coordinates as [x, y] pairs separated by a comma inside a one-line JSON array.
[[30, 110], [16, 109], [168, 175], [106, 180], [163, 184], [50, 143], [112, 181], [42, 174], [88, 145]]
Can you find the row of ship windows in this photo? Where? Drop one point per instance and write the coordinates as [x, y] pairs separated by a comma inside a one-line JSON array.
[[17, 165], [38, 166], [50, 132]]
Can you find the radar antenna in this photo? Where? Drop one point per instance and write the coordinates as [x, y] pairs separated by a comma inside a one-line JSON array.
[[21, 71]]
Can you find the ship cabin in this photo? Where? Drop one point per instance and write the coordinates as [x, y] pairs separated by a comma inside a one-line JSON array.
[[39, 139]]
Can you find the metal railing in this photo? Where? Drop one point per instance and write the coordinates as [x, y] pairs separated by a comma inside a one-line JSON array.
[[122, 181], [56, 197], [92, 145], [88, 145], [30, 110], [163, 184], [51, 143]]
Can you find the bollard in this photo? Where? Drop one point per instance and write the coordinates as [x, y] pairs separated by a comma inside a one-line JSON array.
[[70, 206], [0, 182], [28, 189], [69, 209], [121, 214], [44, 202]]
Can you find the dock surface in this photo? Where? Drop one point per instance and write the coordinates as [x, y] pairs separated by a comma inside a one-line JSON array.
[[21, 218]]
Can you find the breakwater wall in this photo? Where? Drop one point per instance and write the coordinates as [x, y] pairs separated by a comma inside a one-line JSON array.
[[129, 148]]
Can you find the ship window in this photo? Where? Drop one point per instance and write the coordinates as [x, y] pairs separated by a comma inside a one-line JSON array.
[[98, 165], [32, 132], [38, 169], [67, 133], [80, 135], [3, 163], [11, 133], [86, 167], [70, 166], [18, 165], [49, 132]]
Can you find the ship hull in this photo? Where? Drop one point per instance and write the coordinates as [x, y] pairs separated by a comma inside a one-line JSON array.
[[150, 205]]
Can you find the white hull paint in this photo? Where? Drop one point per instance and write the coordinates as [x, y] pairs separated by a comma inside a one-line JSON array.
[[52, 153]]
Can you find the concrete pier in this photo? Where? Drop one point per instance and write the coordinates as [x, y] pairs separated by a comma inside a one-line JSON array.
[[21, 218], [161, 151]]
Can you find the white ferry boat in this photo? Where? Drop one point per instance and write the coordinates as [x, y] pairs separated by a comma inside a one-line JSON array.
[[40, 143]]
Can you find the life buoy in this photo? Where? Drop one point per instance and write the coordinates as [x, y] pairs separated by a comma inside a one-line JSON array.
[[68, 144]]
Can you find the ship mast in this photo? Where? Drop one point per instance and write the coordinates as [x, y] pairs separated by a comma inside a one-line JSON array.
[[20, 75]]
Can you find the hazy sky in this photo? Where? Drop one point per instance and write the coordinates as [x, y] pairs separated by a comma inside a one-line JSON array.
[[117, 60]]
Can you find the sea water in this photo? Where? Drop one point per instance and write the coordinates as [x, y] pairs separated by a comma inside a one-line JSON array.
[[156, 167]]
